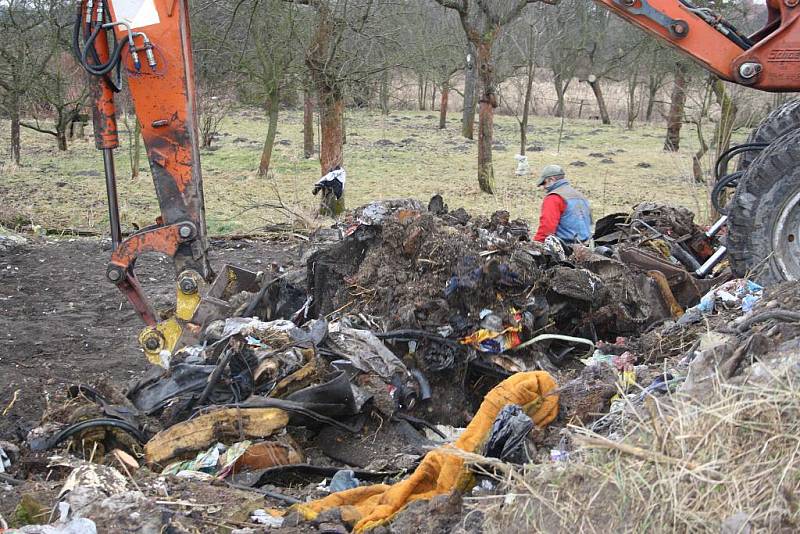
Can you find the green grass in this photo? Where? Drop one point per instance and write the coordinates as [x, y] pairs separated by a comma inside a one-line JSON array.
[[66, 189]]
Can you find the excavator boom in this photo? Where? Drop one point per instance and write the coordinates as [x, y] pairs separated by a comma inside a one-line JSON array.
[[769, 59], [150, 42]]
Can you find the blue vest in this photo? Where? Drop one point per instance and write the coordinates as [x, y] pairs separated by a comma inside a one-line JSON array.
[[576, 221]]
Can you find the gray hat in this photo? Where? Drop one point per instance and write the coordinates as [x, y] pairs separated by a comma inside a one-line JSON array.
[[550, 171]]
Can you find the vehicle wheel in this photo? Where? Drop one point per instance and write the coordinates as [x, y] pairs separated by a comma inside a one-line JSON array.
[[764, 227], [780, 121]]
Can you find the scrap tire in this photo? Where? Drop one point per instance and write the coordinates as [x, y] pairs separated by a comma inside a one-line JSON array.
[[780, 121], [764, 238]]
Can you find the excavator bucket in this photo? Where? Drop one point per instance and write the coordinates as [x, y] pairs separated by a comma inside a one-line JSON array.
[[197, 305]]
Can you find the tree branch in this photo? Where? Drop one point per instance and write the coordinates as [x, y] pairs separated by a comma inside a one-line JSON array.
[[37, 128], [458, 5], [515, 12]]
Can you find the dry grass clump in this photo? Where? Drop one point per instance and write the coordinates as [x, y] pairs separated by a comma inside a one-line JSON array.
[[729, 465]]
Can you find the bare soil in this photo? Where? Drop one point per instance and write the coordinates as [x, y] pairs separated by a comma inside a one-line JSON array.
[[62, 322]]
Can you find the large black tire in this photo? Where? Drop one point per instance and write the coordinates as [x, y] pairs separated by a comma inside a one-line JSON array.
[[780, 121], [764, 226]]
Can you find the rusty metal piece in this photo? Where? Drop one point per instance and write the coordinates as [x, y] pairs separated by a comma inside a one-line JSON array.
[[164, 239], [104, 111], [675, 309], [283, 451], [687, 289], [701, 246]]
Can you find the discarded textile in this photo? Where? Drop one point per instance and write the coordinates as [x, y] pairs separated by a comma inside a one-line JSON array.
[[492, 341], [441, 471], [333, 181], [217, 461]]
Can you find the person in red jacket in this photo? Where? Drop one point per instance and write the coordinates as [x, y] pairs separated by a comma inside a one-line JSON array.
[[565, 211]]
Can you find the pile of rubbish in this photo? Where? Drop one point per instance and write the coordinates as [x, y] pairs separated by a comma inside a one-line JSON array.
[[413, 338]]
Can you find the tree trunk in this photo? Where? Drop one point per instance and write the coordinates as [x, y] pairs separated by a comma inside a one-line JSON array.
[[486, 105], [308, 123], [652, 92], [523, 125], [330, 99], [727, 117], [136, 150], [344, 126], [331, 148], [272, 105], [433, 96], [15, 138], [561, 89], [632, 112], [594, 83], [675, 117], [207, 134], [443, 104], [61, 137], [697, 168], [385, 86], [421, 93], [470, 82]]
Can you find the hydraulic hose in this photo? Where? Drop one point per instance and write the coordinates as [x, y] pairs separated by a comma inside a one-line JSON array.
[[88, 52], [730, 180], [725, 157]]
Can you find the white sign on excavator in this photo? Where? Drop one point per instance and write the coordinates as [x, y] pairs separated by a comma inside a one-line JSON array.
[[136, 13]]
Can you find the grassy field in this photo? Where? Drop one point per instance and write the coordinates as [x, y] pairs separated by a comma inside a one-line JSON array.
[[402, 155]]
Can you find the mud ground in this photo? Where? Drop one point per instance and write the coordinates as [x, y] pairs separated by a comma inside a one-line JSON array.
[[62, 322]]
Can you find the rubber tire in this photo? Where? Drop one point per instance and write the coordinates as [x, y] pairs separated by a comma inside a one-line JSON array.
[[770, 180], [780, 121]]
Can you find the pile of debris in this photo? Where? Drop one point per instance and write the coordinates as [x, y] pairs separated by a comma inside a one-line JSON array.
[[404, 326]]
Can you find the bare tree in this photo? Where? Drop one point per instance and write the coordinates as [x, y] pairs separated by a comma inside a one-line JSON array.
[[60, 96], [525, 44], [268, 61], [434, 53], [698, 118], [657, 73], [483, 21], [27, 44], [347, 46], [563, 49], [676, 108]]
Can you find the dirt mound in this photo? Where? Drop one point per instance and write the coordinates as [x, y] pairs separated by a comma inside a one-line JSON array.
[[416, 269]]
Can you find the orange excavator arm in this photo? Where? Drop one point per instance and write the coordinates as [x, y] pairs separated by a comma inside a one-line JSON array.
[[149, 41], [768, 60]]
